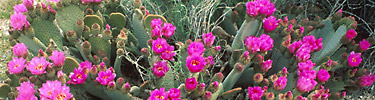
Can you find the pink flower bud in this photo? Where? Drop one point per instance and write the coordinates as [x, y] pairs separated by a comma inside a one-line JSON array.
[[323, 75], [208, 39], [363, 45]]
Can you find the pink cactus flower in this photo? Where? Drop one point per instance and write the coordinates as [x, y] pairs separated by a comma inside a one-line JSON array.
[[169, 53], [303, 54], [323, 75], [301, 30], [217, 48], [77, 77], [174, 93], [52, 90], [207, 95], [196, 48], [85, 65], [28, 4], [20, 8], [312, 43], [294, 46], [53, 0], [86, 1], [160, 68], [20, 50], [62, 93], [350, 35], [310, 74], [266, 65], [252, 44], [366, 80], [270, 23], [280, 83], [215, 84], [191, 84], [16, 66], [58, 58], [308, 65], [363, 45], [168, 30], [208, 39], [155, 23], [37, 66], [252, 9], [255, 93], [156, 32], [354, 59], [26, 91], [210, 60], [104, 77], [266, 43], [195, 63], [158, 95], [107, 27], [19, 21], [97, 1], [256, 7], [159, 45], [305, 84]]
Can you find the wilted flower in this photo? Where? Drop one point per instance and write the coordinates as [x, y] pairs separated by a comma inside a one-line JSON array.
[[38, 65], [20, 50], [255, 93], [77, 77], [191, 84], [323, 75], [208, 39], [210, 60], [195, 63], [19, 21], [160, 68], [354, 59], [159, 45], [104, 77], [58, 58], [196, 48], [168, 30], [16, 65], [158, 95], [270, 23]]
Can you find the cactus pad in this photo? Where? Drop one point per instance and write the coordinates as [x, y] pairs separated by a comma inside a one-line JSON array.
[[4, 90], [70, 64], [45, 30], [118, 19], [68, 16], [98, 43], [149, 18], [139, 31], [89, 20]]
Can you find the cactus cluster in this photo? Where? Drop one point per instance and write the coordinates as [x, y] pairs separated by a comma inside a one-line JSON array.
[[82, 49]]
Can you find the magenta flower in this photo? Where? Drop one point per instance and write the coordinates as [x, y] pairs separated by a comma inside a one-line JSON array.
[[208, 95], [270, 23], [58, 58], [26, 91], [158, 94], [156, 32], [366, 80], [323, 75], [251, 8], [97, 1], [303, 54], [310, 74], [20, 50], [312, 43], [196, 48], [252, 44], [38, 65], [191, 84], [255, 93], [77, 77], [53, 1], [169, 53], [85, 65], [160, 68], [210, 60], [265, 43], [20, 8], [159, 45], [305, 84], [218, 48], [308, 65], [256, 7], [174, 93], [16, 66], [208, 39], [363, 45], [294, 46], [280, 83], [354, 59], [52, 90], [19, 21], [155, 23], [104, 77], [62, 93], [168, 30], [195, 63], [28, 4], [350, 34], [266, 65]]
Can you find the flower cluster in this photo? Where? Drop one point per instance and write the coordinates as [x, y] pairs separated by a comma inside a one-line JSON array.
[[54, 90], [302, 49], [172, 94], [320, 94], [18, 19], [158, 31], [306, 75], [264, 7], [104, 77], [255, 44]]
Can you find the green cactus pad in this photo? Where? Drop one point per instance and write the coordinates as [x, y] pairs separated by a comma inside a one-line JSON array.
[[4, 90], [34, 45], [117, 95], [45, 30], [89, 20], [118, 19], [117, 65], [70, 64], [68, 16], [150, 17], [166, 81], [98, 43], [139, 31], [334, 85]]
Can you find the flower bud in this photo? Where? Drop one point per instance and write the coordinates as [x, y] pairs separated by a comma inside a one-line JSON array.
[[218, 77], [258, 77], [208, 95], [274, 77], [120, 52], [258, 59], [111, 86], [238, 67], [270, 96], [145, 51]]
